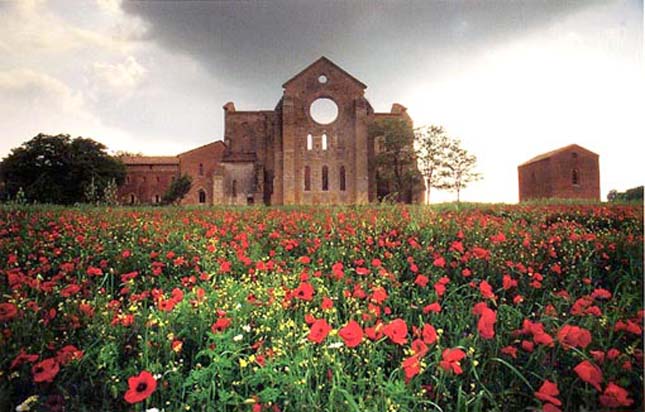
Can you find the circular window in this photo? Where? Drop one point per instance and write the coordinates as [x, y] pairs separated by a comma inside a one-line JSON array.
[[322, 79], [323, 110]]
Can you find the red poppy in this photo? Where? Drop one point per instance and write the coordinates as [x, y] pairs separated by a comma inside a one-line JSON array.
[[375, 332], [68, 353], [439, 262], [304, 291], [429, 334], [614, 396], [510, 351], [487, 320], [589, 373], [363, 271], [220, 325], [140, 387], [527, 345], [46, 370], [70, 290], [352, 334], [421, 281], [397, 331], [601, 293], [486, 290], [8, 311], [508, 282], [419, 348], [457, 246], [176, 345], [433, 307], [166, 305], [481, 253], [411, 367], [378, 295], [549, 407], [573, 336], [628, 326], [327, 303], [318, 331], [548, 392], [450, 360], [177, 295], [23, 357]]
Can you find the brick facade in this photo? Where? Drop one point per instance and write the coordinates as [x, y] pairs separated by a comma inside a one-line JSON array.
[[284, 156], [570, 172]]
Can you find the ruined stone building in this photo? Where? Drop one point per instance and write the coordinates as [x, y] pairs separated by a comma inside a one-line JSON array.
[[570, 172], [312, 148]]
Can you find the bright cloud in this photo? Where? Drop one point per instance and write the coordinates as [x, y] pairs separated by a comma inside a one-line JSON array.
[[119, 78]]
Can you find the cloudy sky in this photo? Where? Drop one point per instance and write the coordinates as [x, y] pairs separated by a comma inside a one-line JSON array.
[[512, 79]]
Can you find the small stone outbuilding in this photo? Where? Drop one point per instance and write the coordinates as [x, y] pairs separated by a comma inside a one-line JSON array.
[[570, 172]]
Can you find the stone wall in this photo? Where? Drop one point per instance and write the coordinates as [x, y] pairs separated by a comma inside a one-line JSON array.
[[585, 165], [200, 165], [146, 183]]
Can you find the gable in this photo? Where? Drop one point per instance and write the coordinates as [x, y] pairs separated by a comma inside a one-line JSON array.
[[215, 148], [321, 66]]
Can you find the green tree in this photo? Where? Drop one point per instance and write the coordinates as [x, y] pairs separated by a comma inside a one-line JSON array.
[[633, 194], [433, 146], [177, 190], [458, 171], [59, 169], [395, 160]]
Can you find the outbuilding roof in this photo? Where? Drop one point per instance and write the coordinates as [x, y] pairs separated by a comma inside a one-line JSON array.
[[550, 154]]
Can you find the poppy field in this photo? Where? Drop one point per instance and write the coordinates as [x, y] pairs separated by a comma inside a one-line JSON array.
[[374, 308]]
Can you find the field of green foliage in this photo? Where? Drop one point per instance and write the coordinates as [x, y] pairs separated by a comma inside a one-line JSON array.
[[375, 308]]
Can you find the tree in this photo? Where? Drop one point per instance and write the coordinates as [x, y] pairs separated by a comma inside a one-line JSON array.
[[395, 159], [59, 169], [177, 190], [433, 147], [633, 194], [125, 153], [458, 172], [110, 193]]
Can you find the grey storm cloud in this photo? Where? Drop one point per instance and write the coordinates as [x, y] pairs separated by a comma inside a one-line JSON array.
[[248, 42]]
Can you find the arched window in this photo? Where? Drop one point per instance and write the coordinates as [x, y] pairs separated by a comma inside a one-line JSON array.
[[157, 199], [325, 178], [202, 196], [342, 178], [575, 178], [234, 188], [201, 169], [307, 178], [324, 141], [158, 179], [310, 142]]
